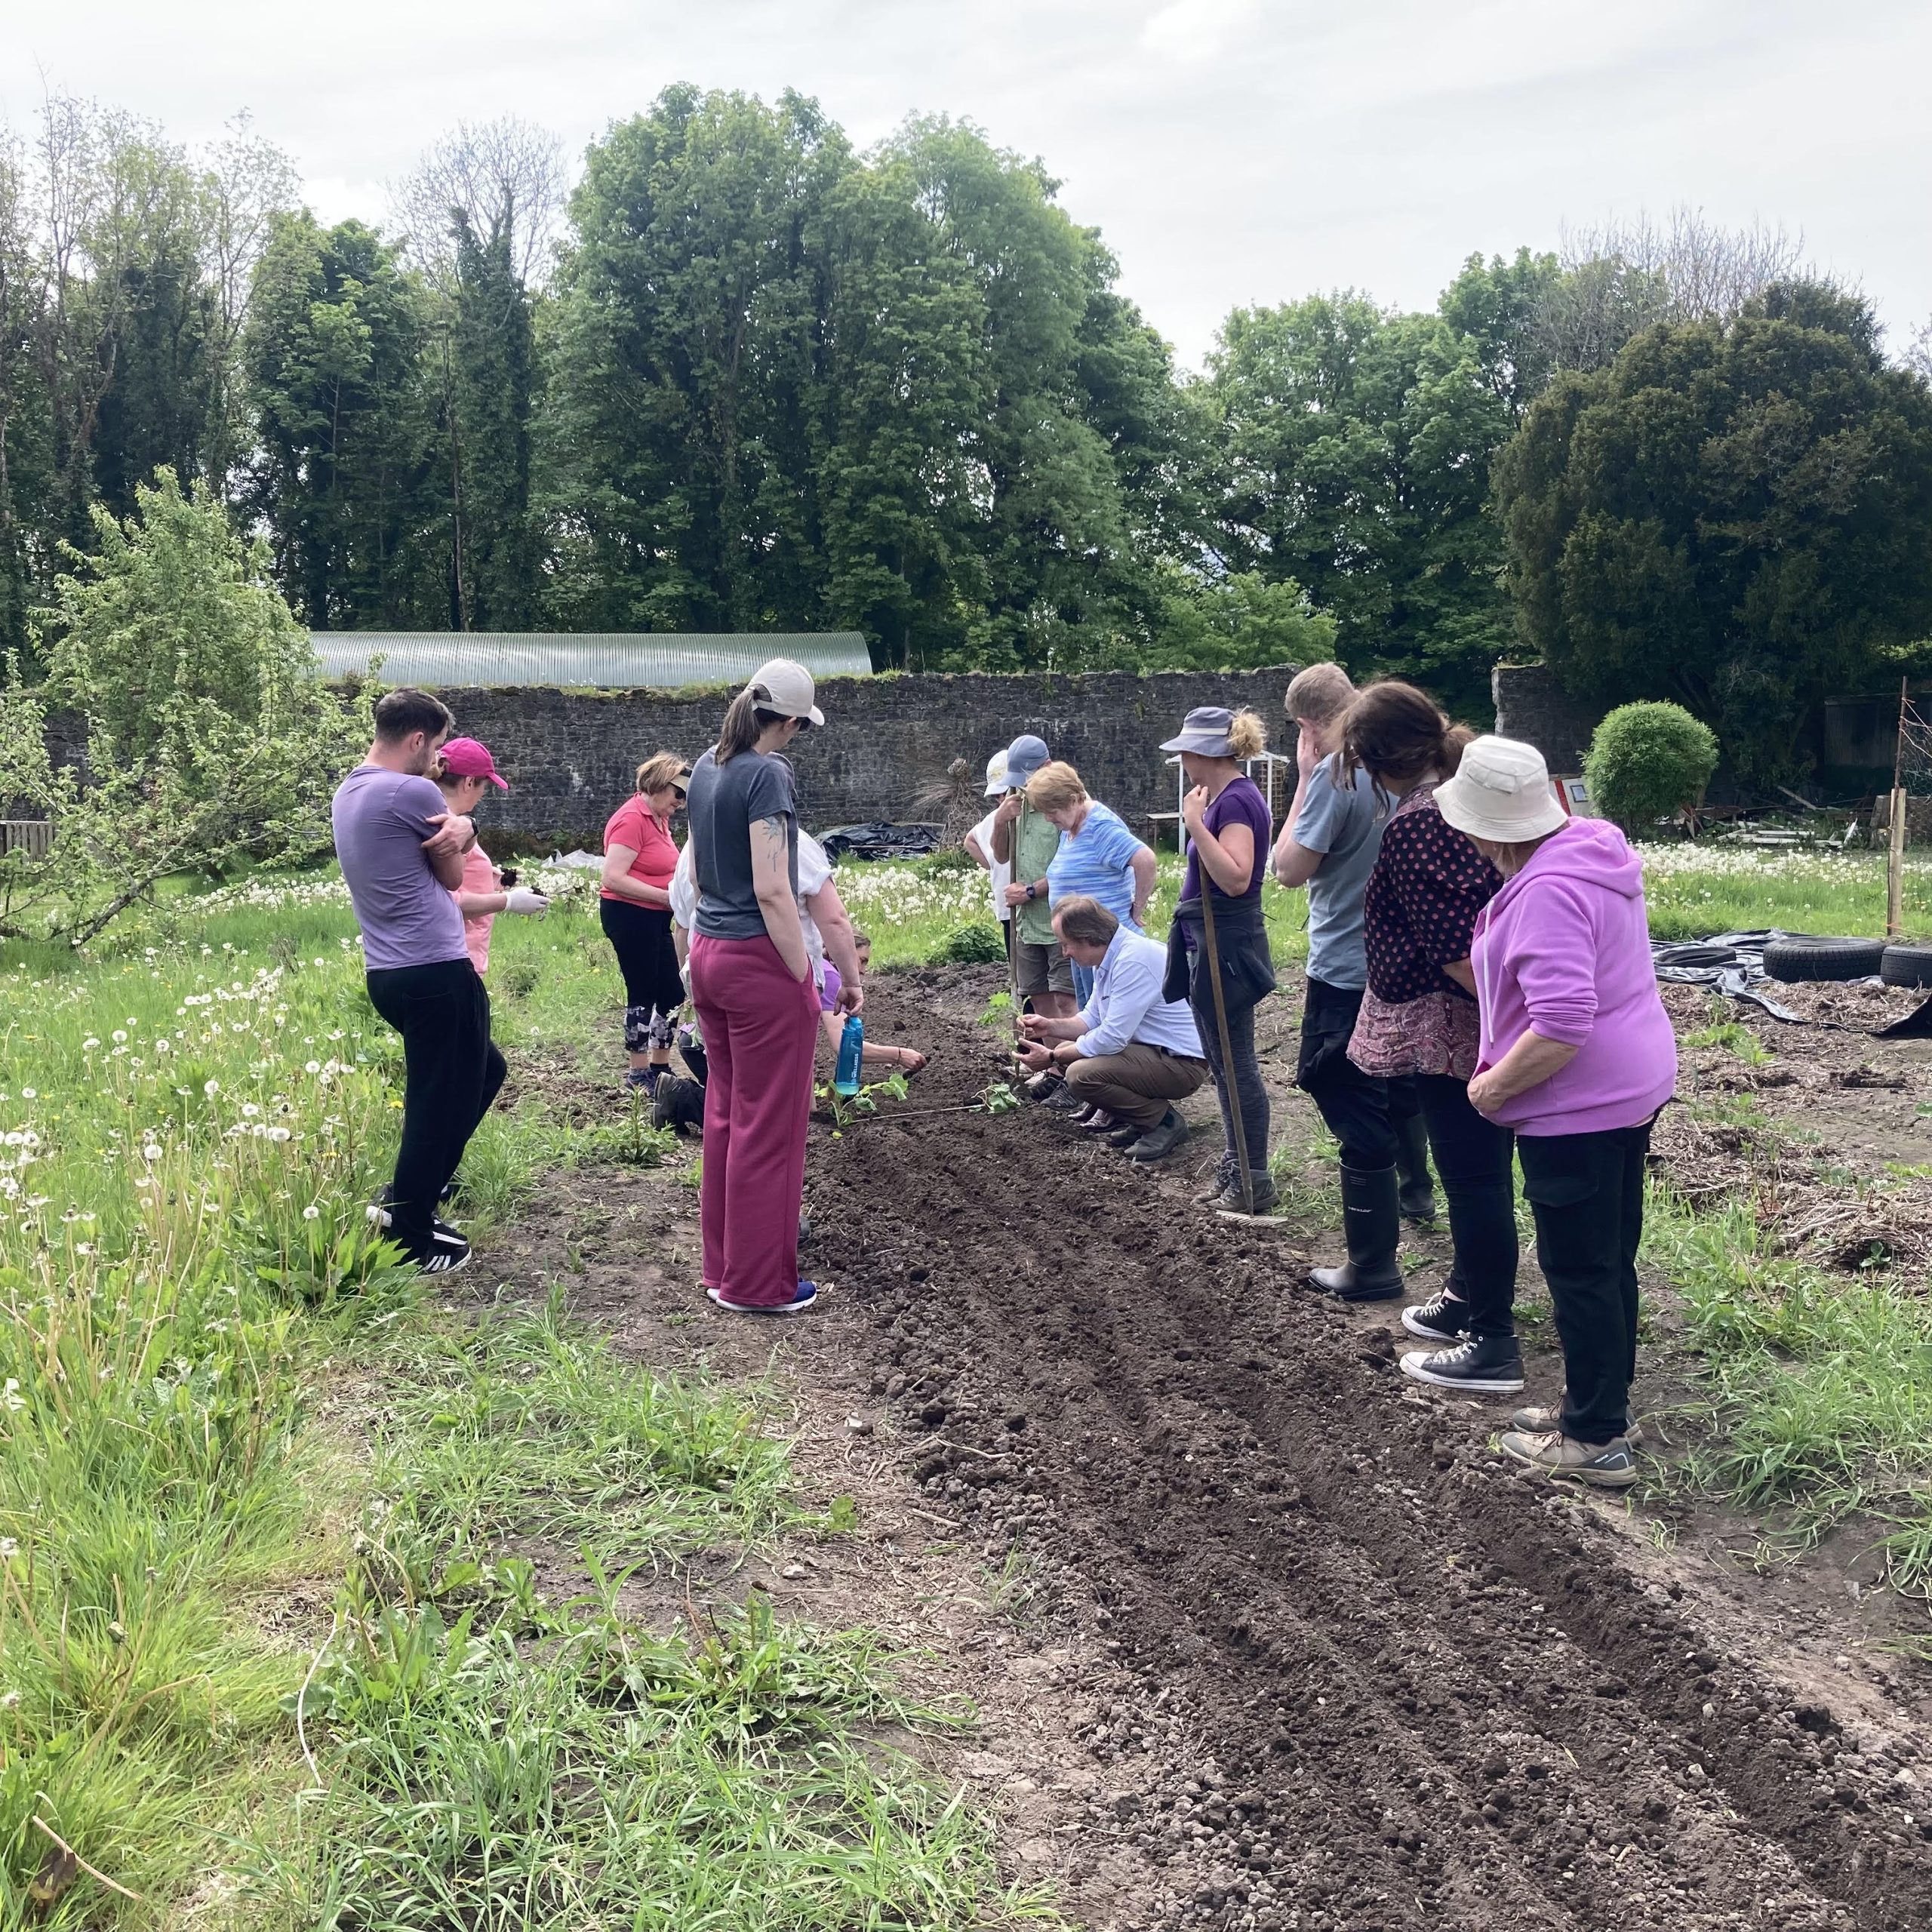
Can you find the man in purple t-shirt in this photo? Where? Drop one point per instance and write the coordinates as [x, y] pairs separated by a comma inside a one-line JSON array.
[[401, 853]]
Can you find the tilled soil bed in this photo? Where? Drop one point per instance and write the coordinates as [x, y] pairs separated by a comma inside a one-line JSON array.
[[1428, 1690]]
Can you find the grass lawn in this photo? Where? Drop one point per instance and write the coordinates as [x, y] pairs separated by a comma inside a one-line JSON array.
[[271, 1653]]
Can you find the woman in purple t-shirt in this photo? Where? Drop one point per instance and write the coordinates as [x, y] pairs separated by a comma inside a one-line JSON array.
[[1229, 829]]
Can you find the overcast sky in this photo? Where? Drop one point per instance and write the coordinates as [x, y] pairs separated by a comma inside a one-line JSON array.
[[1230, 151]]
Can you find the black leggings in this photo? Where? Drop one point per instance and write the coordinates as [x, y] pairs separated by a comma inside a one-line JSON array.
[[648, 958], [452, 1074], [1473, 1156]]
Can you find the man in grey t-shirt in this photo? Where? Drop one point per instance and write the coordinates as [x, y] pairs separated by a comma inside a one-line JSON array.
[[402, 853], [1329, 844]]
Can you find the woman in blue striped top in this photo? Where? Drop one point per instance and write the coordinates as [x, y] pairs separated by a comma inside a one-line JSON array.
[[1098, 855]]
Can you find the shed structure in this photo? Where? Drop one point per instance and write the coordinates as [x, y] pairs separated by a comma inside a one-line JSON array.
[[569, 660]]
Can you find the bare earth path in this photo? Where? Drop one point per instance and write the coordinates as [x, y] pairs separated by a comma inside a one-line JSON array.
[[1313, 1657]]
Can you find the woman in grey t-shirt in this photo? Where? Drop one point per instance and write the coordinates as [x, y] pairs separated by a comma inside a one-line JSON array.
[[752, 983]]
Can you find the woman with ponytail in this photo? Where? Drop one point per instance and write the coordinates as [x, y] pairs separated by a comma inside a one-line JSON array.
[[1419, 1018], [1229, 827], [752, 985]]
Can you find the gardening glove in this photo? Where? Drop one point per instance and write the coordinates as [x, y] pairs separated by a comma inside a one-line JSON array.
[[522, 900]]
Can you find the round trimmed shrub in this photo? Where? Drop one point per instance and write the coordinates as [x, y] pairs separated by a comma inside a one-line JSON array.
[[1647, 761]]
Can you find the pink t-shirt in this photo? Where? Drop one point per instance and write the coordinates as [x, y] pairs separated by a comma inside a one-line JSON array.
[[479, 875]]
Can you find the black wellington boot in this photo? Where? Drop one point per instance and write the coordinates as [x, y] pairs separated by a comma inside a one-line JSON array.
[[1371, 1223], [1415, 1192]]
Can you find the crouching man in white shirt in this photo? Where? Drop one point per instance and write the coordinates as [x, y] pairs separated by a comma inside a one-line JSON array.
[[1128, 1053]]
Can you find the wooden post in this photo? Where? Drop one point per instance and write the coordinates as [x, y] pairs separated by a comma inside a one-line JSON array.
[[1895, 862]]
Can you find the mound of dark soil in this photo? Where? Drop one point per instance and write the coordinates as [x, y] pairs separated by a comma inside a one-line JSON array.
[[1434, 1691]]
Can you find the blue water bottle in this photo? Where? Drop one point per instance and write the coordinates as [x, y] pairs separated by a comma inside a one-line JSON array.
[[851, 1053]]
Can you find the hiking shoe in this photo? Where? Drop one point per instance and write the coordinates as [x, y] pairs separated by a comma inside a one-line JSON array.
[[1484, 1364], [1444, 1319], [806, 1293], [1226, 1175], [444, 1256], [1161, 1140], [1230, 1206], [1549, 1421], [1041, 1084], [1062, 1100], [1602, 1465]]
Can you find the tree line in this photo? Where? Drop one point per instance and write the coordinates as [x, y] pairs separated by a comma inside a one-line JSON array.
[[743, 377]]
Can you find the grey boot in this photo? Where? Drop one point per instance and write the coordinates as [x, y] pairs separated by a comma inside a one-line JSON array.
[[1416, 1191], [1371, 1223], [1160, 1140]]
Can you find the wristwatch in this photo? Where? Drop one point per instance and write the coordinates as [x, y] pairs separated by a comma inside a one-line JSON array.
[[1032, 893]]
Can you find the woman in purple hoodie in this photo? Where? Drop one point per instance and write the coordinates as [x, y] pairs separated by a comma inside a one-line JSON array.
[[1577, 1056]]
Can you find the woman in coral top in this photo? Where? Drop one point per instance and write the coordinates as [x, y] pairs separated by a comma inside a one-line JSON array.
[[640, 855]]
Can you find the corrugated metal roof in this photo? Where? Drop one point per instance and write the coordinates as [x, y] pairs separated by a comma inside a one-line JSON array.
[[609, 660]]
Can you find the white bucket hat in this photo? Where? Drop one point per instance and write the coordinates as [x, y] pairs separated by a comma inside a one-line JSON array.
[[1501, 793], [996, 775], [789, 686]]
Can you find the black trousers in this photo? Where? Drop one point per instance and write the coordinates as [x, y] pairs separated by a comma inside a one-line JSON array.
[[452, 1073], [1472, 1158], [1355, 1105], [1586, 1191]]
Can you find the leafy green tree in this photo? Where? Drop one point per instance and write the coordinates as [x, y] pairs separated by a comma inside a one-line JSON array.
[[1356, 450], [342, 480], [210, 740], [1498, 306], [489, 371], [678, 436], [1243, 622], [1733, 516]]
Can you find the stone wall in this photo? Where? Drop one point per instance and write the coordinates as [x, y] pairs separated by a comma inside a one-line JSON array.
[[1532, 707], [569, 756]]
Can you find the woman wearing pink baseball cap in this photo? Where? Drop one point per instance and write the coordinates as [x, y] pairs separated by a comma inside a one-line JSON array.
[[465, 771]]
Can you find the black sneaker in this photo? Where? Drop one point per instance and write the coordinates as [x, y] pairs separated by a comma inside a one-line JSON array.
[[1484, 1365], [1444, 1319], [440, 1230], [444, 1255]]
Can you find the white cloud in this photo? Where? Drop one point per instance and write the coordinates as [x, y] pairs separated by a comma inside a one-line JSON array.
[[1230, 151], [1195, 30]]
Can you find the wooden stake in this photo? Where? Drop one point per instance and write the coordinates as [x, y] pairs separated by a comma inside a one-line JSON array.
[[1895, 862]]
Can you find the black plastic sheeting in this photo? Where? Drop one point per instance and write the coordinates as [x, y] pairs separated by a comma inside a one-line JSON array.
[[1733, 964]]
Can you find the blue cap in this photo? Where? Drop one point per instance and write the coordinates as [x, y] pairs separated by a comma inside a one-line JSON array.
[[1024, 757]]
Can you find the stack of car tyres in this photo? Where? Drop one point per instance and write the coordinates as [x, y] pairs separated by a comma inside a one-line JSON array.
[[1799, 956]]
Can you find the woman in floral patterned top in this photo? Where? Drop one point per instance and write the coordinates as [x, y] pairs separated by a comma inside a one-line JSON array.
[[1419, 1018]]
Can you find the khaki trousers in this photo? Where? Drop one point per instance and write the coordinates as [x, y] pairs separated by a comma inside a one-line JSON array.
[[1136, 1084]]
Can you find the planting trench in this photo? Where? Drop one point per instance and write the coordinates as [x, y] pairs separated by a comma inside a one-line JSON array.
[[1346, 1670]]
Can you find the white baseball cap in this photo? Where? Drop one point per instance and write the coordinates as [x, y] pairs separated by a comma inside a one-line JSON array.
[[996, 775], [1501, 793], [788, 690]]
